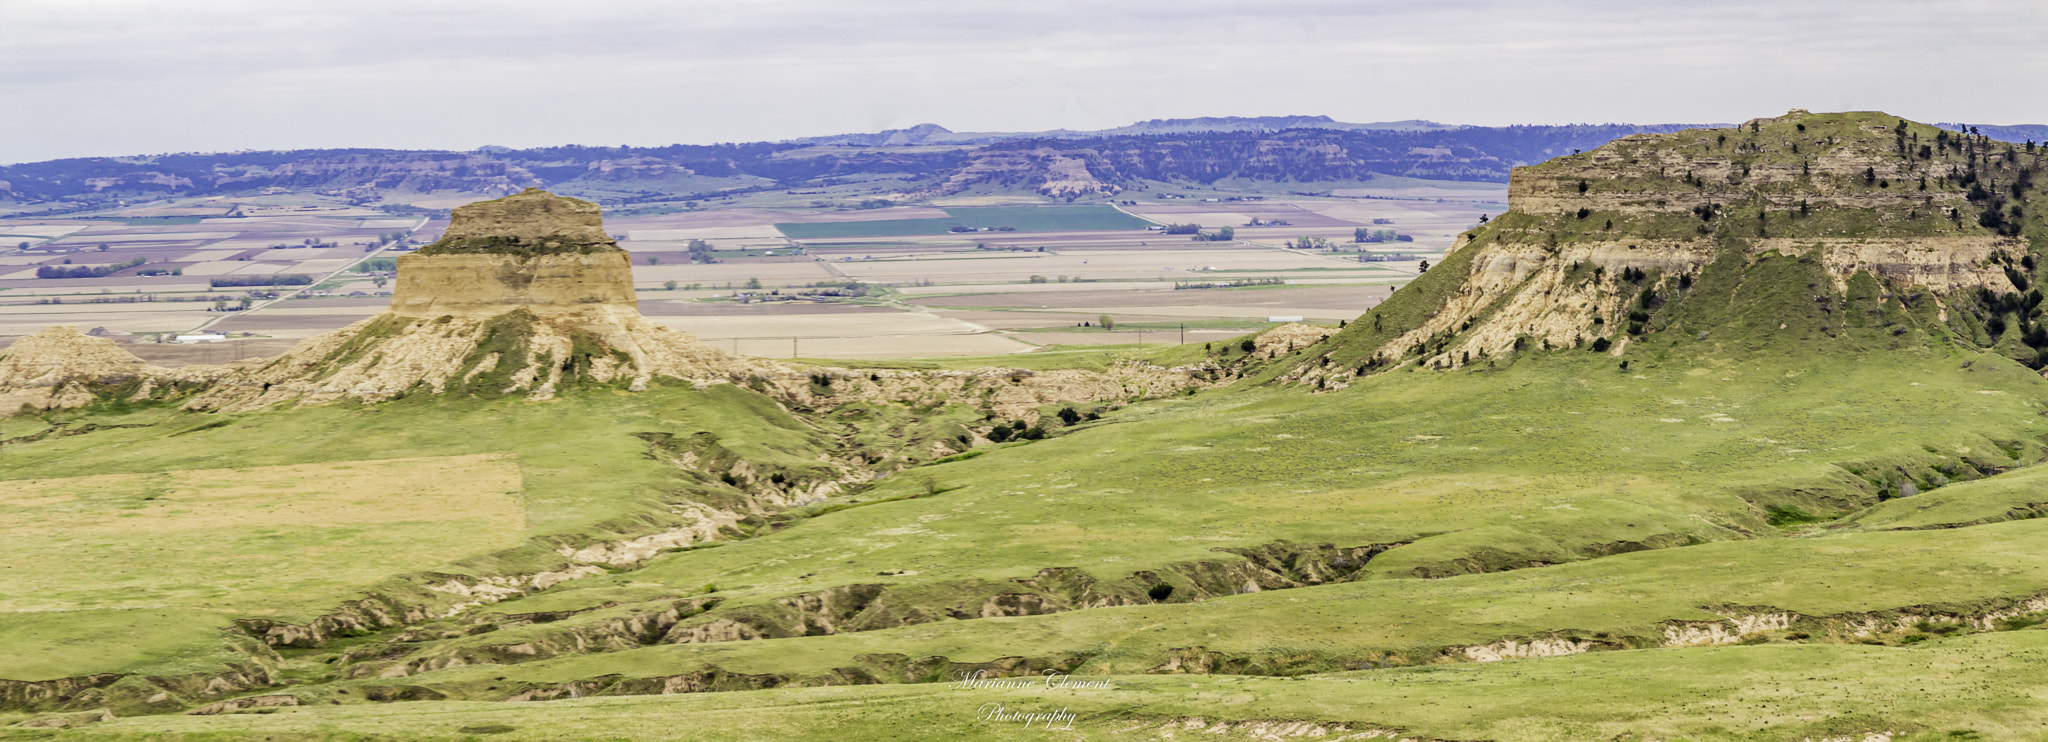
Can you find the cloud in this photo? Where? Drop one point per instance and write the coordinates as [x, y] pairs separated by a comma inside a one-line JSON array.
[[109, 78]]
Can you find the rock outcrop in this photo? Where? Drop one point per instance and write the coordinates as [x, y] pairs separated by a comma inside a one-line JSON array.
[[1773, 223], [61, 368], [533, 250]]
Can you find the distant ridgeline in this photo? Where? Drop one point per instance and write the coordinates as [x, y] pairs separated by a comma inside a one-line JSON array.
[[1842, 232], [930, 159]]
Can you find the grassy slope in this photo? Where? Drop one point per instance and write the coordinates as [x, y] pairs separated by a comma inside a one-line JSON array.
[[584, 474], [1549, 461], [1978, 687], [2011, 496], [582, 466], [1830, 583]]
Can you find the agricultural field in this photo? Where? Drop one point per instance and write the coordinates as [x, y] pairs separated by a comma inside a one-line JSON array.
[[1101, 254], [172, 267], [1092, 218]]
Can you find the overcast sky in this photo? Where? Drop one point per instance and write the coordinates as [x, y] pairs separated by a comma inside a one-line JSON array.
[[114, 77]]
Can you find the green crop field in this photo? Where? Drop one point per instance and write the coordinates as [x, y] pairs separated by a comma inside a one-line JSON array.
[[1092, 217], [876, 228]]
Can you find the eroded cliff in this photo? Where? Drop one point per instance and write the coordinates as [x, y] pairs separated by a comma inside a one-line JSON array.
[[1764, 229]]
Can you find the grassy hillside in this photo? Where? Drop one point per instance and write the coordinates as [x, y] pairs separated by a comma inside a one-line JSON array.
[[1980, 687], [194, 520], [1747, 239]]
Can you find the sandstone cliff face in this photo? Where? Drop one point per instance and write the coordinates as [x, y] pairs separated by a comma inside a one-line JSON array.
[[1837, 160], [1534, 295], [1605, 247], [484, 284]]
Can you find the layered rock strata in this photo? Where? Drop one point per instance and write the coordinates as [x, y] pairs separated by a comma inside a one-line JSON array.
[[1606, 247]]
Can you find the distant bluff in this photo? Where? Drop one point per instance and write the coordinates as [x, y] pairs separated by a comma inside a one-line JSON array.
[[1804, 233]]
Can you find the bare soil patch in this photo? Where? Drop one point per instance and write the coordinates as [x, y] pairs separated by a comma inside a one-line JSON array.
[[174, 355], [1322, 297]]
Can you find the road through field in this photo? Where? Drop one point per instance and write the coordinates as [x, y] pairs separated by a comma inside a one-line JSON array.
[[285, 296]]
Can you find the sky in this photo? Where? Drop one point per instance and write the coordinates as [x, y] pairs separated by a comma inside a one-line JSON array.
[[83, 78]]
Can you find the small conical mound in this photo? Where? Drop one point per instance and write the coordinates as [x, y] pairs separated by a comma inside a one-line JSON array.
[[61, 367], [62, 352]]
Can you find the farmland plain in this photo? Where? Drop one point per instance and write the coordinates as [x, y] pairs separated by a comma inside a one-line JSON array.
[[196, 249]]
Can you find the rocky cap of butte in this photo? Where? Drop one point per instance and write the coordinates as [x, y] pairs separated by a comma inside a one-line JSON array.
[[531, 222], [532, 250]]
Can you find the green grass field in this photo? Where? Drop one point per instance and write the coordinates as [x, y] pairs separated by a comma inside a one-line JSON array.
[[195, 519], [1977, 687]]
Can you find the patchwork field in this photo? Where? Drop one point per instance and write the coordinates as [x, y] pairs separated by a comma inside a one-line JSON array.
[[135, 271], [827, 330], [1098, 249], [1008, 218]]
